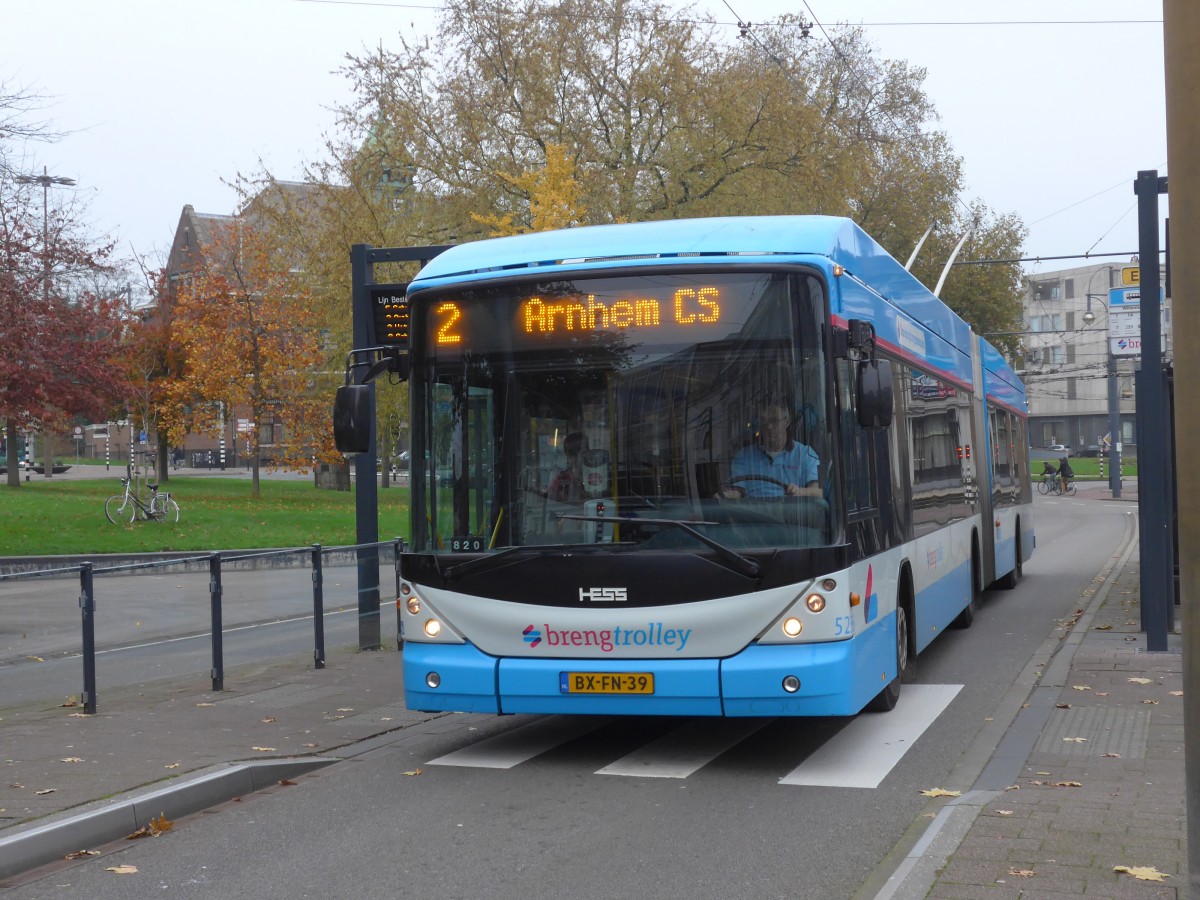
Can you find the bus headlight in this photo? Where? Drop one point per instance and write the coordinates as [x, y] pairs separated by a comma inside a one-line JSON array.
[[433, 680], [413, 604], [814, 602], [791, 684], [433, 627], [792, 626]]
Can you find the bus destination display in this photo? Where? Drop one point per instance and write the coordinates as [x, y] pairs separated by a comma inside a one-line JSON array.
[[559, 318]]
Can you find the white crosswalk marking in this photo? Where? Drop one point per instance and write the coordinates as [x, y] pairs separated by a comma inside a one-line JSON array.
[[514, 747], [862, 753], [684, 750], [858, 756]]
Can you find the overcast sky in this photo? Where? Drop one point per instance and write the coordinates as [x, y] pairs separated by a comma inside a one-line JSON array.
[[1054, 107]]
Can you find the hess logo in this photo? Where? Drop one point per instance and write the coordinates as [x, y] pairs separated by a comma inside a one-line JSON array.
[[602, 595]]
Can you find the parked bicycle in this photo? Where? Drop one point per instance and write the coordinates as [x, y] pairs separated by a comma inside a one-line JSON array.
[[128, 506]]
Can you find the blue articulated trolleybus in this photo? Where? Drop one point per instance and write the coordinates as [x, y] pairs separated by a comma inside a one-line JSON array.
[[710, 467]]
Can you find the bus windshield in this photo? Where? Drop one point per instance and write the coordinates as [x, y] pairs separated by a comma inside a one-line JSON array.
[[645, 411]]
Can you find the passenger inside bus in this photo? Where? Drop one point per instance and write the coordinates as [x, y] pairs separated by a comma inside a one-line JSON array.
[[775, 464], [567, 485]]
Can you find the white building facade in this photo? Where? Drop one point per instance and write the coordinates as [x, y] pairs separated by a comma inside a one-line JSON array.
[[1076, 375]]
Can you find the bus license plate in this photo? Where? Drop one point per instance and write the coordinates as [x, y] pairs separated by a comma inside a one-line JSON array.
[[606, 682]]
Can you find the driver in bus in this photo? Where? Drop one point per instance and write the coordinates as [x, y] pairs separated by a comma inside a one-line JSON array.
[[775, 464]]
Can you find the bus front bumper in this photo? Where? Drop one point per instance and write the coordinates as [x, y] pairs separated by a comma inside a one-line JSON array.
[[751, 683]]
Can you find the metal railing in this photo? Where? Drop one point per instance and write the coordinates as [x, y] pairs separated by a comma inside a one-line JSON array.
[[215, 563]]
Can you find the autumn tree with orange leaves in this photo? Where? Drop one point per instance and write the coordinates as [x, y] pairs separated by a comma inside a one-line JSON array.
[[243, 321]]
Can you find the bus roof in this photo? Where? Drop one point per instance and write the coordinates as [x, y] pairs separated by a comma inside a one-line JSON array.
[[748, 239], [839, 239]]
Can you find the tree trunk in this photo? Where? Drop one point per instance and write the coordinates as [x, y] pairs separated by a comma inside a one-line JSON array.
[[162, 460], [47, 455], [10, 436]]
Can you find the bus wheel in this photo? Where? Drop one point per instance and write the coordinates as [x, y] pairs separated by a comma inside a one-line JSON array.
[[1012, 578], [967, 616], [886, 699]]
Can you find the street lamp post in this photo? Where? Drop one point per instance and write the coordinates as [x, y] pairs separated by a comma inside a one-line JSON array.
[[45, 180], [1114, 402]]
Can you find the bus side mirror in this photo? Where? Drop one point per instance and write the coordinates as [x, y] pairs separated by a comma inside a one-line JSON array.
[[352, 418], [875, 400]]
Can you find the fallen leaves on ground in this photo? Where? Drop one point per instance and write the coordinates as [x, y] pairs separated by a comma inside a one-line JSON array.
[[1075, 740], [1081, 687], [82, 854], [71, 759], [70, 702], [1058, 783], [1140, 680], [264, 749], [268, 720], [939, 792], [414, 772], [286, 782], [206, 704], [1022, 873], [122, 870], [1176, 693], [1142, 873], [171, 766], [46, 791], [156, 826]]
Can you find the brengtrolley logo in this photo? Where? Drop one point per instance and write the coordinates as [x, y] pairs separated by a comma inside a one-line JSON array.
[[655, 634]]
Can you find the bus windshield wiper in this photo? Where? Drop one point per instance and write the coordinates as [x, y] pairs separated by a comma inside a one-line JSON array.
[[484, 563], [450, 573], [733, 560]]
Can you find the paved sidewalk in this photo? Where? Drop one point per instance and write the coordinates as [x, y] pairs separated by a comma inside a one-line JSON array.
[[1103, 786], [194, 746]]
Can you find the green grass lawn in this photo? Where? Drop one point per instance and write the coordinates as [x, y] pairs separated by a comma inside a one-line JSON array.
[[1087, 468], [44, 517]]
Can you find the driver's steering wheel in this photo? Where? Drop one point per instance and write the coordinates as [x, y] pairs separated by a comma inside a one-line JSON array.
[[766, 478]]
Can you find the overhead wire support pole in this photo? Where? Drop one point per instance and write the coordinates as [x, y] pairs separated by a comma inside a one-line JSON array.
[[366, 492], [1153, 430]]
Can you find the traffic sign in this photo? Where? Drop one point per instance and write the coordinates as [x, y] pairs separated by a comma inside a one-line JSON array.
[[1131, 276], [1127, 297]]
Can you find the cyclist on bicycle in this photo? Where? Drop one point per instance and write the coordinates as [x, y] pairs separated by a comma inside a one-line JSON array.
[[1065, 472]]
